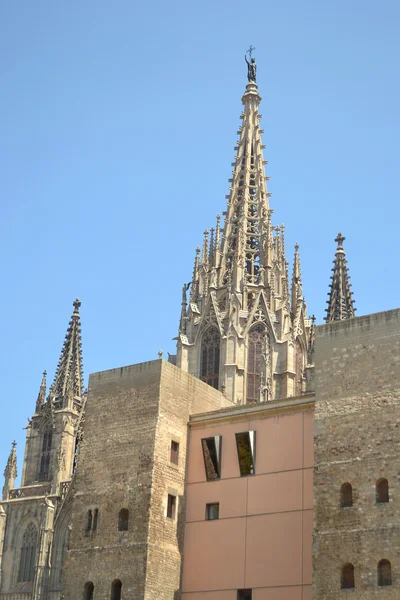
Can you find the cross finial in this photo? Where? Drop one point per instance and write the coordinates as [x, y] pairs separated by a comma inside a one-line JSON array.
[[340, 239], [76, 305], [250, 51]]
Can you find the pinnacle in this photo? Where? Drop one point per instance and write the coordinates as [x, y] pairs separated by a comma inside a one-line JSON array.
[[340, 303]]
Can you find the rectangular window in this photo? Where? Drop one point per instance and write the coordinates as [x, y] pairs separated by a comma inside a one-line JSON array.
[[171, 506], [174, 453], [212, 456], [244, 595], [212, 511], [246, 449]]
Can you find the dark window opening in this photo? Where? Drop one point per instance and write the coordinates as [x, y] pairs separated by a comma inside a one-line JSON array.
[[346, 495], [123, 519], [347, 577], [384, 572], [382, 491], [174, 458], [171, 506], [209, 368], [299, 369], [255, 349], [212, 511], [116, 590], [95, 519], [88, 591], [246, 447], [212, 456], [89, 520], [28, 554], [44, 469], [244, 595]]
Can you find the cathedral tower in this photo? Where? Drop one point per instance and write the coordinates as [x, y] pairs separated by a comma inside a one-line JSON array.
[[243, 330], [33, 519]]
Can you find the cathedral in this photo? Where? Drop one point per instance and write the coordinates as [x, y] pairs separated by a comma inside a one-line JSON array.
[[258, 463]]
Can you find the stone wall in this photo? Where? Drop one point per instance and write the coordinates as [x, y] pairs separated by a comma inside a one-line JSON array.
[[132, 415], [357, 440]]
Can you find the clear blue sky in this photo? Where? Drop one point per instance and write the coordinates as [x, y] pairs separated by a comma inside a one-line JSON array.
[[118, 121]]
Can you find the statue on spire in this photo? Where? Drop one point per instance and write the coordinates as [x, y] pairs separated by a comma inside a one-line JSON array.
[[251, 66]]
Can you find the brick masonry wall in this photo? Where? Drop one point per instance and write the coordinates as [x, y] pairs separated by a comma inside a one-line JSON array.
[[357, 440], [132, 414]]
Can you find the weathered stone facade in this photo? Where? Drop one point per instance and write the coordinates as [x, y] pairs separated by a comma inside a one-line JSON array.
[[132, 416], [357, 441]]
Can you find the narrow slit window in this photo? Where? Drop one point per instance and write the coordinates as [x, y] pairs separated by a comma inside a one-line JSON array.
[[347, 577], [95, 519], [212, 456], [123, 519], [384, 573], [382, 491], [171, 506], [88, 591], [174, 458], [89, 520], [244, 595], [212, 511], [116, 587], [346, 495], [246, 449]]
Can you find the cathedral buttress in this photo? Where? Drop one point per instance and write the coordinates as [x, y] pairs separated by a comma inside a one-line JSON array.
[[241, 332]]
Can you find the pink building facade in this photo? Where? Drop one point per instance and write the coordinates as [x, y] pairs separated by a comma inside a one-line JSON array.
[[249, 515]]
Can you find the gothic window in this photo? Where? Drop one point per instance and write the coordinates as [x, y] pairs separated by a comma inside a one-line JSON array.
[[382, 491], [384, 573], [123, 519], [299, 369], [209, 369], [28, 554], [116, 590], [256, 343], [347, 577], [88, 591], [346, 495], [44, 471]]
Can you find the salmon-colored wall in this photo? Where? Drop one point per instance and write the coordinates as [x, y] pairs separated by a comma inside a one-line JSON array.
[[262, 539]]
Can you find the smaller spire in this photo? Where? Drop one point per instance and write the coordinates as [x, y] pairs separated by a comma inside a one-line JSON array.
[[204, 255], [211, 252], [297, 284], [195, 279], [217, 240], [340, 303], [311, 341], [41, 399], [10, 472]]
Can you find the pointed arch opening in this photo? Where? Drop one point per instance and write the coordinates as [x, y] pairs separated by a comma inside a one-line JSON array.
[[299, 367], [257, 339], [210, 349], [27, 561], [116, 588], [88, 590], [384, 572], [347, 582]]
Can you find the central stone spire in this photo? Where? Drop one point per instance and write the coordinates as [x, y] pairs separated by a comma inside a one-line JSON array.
[[237, 332]]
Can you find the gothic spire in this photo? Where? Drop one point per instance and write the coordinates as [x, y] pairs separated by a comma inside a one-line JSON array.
[[68, 380], [246, 219], [10, 472], [41, 399], [297, 285], [340, 303]]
